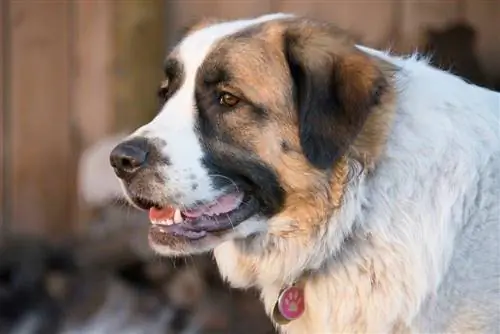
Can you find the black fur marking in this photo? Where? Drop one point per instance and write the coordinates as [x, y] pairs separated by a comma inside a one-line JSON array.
[[331, 112], [174, 73], [235, 162], [238, 165], [205, 122], [213, 76], [380, 86], [249, 174], [285, 146]]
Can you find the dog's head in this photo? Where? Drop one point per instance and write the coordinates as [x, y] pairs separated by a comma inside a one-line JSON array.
[[259, 122]]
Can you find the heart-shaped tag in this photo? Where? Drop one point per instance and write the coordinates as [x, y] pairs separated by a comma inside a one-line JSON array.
[[290, 305]]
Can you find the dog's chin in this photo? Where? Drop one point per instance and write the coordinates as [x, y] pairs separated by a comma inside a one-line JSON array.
[[169, 244]]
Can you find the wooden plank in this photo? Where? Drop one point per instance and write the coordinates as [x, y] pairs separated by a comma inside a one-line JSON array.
[[120, 47], [484, 15], [42, 160], [93, 54], [243, 8], [92, 91], [418, 16], [182, 13], [3, 111], [139, 47], [368, 20]]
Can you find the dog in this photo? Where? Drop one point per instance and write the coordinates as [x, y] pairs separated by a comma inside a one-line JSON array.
[[356, 189]]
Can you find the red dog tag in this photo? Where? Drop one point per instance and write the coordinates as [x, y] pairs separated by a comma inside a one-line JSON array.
[[290, 305]]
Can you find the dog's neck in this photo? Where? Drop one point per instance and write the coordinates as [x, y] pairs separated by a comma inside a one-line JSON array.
[[281, 260], [312, 232], [316, 231]]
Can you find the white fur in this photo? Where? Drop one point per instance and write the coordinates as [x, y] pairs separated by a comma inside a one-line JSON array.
[[423, 250], [425, 254]]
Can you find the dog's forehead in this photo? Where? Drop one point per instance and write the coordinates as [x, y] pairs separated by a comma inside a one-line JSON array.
[[191, 53], [195, 47]]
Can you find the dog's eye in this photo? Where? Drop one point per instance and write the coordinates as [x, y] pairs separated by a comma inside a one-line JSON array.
[[163, 90], [228, 100]]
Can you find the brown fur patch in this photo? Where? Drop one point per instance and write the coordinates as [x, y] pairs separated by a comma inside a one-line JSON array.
[[311, 206], [257, 71], [370, 142]]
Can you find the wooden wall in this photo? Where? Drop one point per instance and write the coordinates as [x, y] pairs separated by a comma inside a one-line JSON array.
[[73, 71], [3, 52], [398, 24]]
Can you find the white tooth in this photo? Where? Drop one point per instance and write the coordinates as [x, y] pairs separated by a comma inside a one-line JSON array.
[[178, 216], [163, 222]]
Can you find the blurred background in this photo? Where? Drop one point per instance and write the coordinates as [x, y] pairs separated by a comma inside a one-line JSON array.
[[75, 76]]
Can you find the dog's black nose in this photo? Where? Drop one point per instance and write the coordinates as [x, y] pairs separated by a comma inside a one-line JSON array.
[[129, 157]]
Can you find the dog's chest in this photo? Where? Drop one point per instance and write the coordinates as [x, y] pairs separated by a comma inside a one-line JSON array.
[[349, 298], [327, 311], [311, 321]]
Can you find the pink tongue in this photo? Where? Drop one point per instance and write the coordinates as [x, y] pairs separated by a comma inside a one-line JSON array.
[[161, 214], [223, 204]]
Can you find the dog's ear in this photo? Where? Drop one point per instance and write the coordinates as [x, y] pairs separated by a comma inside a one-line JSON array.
[[335, 88]]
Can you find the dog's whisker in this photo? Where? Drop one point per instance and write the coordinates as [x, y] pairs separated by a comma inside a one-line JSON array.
[[228, 179]]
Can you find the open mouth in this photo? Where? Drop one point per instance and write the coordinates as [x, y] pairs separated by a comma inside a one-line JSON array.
[[194, 223]]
